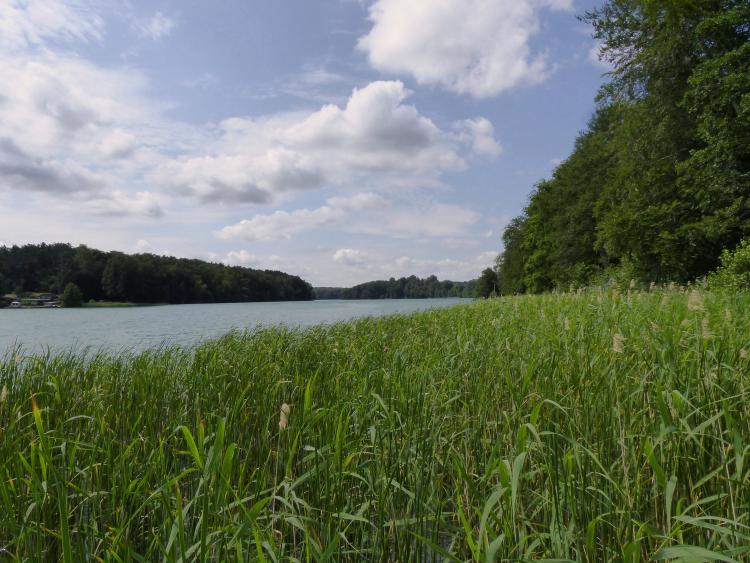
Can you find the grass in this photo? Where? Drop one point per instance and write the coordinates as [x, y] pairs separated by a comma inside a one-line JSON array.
[[584, 427]]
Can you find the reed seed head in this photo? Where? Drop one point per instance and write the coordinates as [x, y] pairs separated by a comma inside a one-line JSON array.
[[743, 354], [695, 301], [618, 343], [284, 416], [706, 329], [4, 394]]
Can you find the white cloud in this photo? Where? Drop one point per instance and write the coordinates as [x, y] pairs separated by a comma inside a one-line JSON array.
[[359, 202], [142, 245], [117, 203], [85, 144], [51, 104], [481, 132], [438, 220], [317, 75], [374, 138], [364, 213], [281, 224], [365, 266], [350, 257], [32, 23], [241, 258], [156, 27], [457, 270], [480, 47], [66, 128]]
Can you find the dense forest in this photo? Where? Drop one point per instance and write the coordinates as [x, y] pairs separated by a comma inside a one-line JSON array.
[[140, 278], [658, 184], [402, 288]]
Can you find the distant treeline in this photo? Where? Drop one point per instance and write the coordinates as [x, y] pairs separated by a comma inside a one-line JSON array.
[[140, 278], [659, 183], [402, 288]]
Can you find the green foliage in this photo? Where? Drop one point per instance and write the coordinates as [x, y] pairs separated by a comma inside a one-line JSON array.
[[661, 178], [402, 288], [142, 278], [71, 296], [598, 426], [486, 284], [734, 271]]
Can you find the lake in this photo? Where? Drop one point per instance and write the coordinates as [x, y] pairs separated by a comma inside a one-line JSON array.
[[140, 328]]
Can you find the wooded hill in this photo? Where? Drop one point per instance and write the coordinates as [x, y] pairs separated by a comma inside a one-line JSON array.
[[140, 278], [658, 184], [402, 288]]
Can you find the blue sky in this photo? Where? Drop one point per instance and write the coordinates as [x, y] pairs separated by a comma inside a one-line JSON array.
[[341, 140]]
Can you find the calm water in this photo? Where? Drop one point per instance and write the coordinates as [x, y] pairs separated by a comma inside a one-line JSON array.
[[138, 328]]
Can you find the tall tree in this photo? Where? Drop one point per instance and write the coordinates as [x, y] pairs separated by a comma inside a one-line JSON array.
[[660, 181]]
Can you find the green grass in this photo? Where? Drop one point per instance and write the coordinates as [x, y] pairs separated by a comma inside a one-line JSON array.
[[500, 430]]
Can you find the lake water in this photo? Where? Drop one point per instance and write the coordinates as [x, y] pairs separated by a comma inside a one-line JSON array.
[[139, 328]]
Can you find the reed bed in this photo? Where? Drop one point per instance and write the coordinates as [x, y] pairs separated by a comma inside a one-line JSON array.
[[597, 426]]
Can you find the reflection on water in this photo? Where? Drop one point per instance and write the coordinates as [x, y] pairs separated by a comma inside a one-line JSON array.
[[138, 328]]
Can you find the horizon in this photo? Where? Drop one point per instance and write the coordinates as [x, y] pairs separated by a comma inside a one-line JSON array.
[[333, 141]]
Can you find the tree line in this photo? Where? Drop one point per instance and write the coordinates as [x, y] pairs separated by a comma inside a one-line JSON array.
[[140, 278], [657, 186], [402, 288]]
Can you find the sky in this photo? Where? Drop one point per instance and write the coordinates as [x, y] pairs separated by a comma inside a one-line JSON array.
[[339, 140]]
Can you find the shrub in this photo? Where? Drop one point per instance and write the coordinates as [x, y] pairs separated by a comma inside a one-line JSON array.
[[71, 296], [734, 271]]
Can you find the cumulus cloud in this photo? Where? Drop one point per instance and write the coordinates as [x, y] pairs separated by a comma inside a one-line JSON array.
[[281, 224], [89, 140], [118, 203], [22, 171], [350, 256], [54, 104], [365, 266], [447, 268], [374, 136], [479, 47], [70, 126], [348, 214], [241, 258], [142, 245], [32, 23], [69, 129], [481, 133]]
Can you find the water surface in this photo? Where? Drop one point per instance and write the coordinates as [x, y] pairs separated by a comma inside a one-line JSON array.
[[139, 328]]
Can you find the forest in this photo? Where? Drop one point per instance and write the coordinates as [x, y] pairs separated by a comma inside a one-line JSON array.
[[140, 278], [657, 185], [402, 288]]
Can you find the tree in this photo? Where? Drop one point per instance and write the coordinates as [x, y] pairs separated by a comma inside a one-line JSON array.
[[486, 284], [659, 183], [71, 296], [141, 278]]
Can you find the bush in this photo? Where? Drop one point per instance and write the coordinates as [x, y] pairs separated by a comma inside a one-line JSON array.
[[734, 271], [71, 296], [486, 284]]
